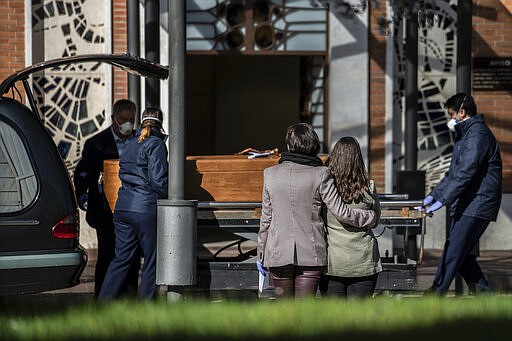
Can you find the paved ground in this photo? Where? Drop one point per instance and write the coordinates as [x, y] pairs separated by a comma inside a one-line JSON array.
[[497, 266]]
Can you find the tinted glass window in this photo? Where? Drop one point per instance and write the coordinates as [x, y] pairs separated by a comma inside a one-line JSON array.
[[18, 184]]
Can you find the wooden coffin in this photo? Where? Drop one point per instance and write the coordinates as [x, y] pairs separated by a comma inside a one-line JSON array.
[[223, 178], [226, 178]]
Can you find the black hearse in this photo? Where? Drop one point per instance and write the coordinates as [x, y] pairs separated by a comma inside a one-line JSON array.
[[39, 221]]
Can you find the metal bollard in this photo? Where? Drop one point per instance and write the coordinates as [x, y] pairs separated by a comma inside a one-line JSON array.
[[176, 245]]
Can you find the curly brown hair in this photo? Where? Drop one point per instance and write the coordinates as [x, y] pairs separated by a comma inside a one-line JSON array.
[[347, 166]]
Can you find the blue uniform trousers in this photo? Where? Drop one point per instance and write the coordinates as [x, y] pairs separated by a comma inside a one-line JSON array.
[[464, 233], [132, 229], [106, 252]]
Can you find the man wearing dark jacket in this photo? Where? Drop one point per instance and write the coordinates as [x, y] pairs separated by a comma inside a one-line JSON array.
[[471, 190], [107, 144]]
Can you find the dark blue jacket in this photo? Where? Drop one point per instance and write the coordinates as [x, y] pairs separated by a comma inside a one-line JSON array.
[[143, 173], [472, 185]]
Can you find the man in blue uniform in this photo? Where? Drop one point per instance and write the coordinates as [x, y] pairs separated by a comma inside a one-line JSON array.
[[471, 190]]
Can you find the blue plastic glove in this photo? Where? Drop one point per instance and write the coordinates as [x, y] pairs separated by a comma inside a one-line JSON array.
[[82, 201], [434, 207], [428, 200], [261, 269]]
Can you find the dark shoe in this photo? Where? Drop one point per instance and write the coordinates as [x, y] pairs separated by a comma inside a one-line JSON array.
[[484, 289], [431, 291]]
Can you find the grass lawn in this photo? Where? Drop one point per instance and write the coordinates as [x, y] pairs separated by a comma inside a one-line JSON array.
[[381, 318]]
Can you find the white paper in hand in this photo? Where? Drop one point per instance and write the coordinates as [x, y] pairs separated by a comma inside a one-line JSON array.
[[264, 281]]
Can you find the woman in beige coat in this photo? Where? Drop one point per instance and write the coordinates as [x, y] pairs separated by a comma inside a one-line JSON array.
[[353, 253], [291, 240]]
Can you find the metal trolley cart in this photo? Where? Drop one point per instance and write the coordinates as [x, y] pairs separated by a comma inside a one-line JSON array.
[[403, 222], [232, 266]]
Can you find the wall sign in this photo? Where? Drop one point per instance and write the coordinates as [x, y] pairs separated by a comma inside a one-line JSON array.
[[492, 74]]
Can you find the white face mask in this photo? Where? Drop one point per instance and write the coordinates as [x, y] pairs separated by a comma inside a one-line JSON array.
[[125, 128], [452, 123]]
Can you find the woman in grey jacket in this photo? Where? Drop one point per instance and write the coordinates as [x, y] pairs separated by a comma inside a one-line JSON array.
[[353, 253], [291, 239]]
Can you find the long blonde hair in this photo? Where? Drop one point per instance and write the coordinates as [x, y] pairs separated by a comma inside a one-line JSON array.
[[347, 166], [151, 118]]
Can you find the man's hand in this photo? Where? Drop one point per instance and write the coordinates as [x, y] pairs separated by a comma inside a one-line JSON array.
[[261, 269], [434, 207], [82, 201]]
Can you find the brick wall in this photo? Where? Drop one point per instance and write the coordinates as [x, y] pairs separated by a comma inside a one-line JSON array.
[[377, 51], [119, 45], [12, 37], [492, 32]]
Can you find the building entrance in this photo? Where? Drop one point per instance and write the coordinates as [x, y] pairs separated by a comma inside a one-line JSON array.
[[236, 102]]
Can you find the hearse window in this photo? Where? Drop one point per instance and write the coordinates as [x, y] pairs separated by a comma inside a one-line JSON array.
[[18, 184]]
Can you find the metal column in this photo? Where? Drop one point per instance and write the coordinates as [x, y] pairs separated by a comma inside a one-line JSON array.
[[464, 36], [152, 48], [411, 88], [411, 105], [132, 8], [177, 218]]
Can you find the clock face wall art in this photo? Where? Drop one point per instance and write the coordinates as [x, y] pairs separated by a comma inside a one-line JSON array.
[[71, 98], [436, 83]]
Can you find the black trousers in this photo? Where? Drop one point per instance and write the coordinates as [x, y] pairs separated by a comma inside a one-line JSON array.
[[348, 286]]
